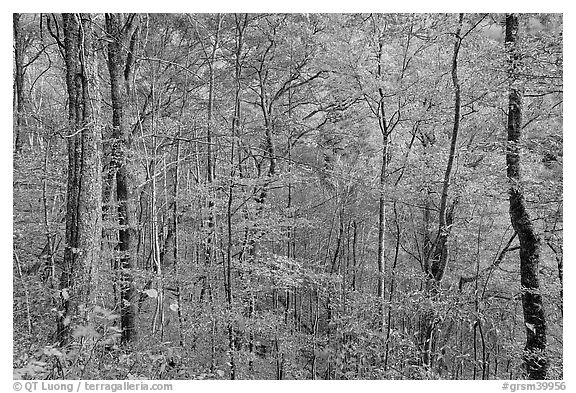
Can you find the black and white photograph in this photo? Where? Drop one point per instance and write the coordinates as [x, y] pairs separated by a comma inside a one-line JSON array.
[[367, 196]]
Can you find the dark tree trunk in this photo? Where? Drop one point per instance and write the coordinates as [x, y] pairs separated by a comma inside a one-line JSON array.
[[534, 319], [382, 217], [83, 209], [440, 247], [440, 259], [120, 66], [18, 81]]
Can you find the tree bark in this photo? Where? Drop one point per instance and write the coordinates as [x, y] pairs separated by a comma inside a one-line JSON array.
[[83, 208], [18, 81], [440, 259], [534, 318], [120, 65], [440, 247], [384, 129]]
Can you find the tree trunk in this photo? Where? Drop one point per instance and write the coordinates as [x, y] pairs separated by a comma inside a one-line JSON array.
[[209, 247], [381, 114], [175, 218], [440, 259], [83, 209], [120, 66], [18, 81], [440, 247], [392, 283], [534, 318]]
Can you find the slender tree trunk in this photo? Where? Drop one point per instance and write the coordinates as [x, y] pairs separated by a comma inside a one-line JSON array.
[[176, 249], [382, 229], [26, 292], [440, 259], [210, 162], [210, 112], [534, 318], [383, 125], [392, 283], [270, 147], [558, 253], [158, 317], [440, 246], [235, 125], [18, 81], [354, 255]]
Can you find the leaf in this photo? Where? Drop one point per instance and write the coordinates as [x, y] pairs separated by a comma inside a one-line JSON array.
[[151, 293], [531, 327], [80, 331], [174, 307], [49, 351]]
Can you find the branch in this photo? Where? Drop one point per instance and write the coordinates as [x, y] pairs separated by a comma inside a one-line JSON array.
[[286, 88], [494, 265]]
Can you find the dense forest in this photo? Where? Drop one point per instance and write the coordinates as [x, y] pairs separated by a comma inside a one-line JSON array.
[[287, 196]]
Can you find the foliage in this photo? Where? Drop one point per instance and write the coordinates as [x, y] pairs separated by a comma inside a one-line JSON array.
[[267, 269]]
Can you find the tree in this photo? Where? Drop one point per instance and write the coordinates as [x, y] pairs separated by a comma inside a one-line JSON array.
[[21, 44], [530, 245], [122, 32], [83, 206], [288, 196]]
